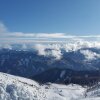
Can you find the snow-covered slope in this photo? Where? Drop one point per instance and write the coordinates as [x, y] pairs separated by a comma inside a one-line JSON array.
[[17, 88], [62, 92]]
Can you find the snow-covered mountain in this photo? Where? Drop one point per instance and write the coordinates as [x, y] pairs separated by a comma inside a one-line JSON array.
[[43, 59], [22, 61], [56, 63], [17, 88]]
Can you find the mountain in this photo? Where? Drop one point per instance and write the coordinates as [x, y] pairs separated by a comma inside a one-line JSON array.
[[67, 76], [18, 88], [29, 64]]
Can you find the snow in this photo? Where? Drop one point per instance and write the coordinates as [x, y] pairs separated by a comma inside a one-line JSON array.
[[18, 88], [62, 92], [62, 73]]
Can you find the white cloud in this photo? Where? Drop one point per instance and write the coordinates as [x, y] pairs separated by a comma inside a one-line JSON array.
[[90, 55], [57, 54], [20, 37], [42, 50], [3, 29], [53, 41]]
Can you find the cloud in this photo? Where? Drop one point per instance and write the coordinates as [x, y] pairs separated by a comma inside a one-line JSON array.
[[53, 41], [40, 48], [90, 55], [3, 29], [57, 54], [20, 37], [48, 51]]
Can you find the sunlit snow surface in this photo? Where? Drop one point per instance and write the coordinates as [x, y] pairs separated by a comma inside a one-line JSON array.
[[16, 88]]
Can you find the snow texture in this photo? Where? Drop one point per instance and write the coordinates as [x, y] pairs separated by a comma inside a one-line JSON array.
[[17, 88]]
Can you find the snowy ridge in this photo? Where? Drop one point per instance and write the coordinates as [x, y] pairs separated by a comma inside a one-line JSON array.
[[17, 88]]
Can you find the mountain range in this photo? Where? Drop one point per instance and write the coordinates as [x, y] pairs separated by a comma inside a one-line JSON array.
[[60, 65]]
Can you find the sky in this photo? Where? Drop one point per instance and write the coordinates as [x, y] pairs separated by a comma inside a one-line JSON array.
[[72, 17]]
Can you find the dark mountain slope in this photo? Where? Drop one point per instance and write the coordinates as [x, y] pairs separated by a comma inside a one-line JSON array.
[[67, 76]]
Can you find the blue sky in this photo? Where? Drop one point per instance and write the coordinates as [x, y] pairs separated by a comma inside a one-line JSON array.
[[73, 17]]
